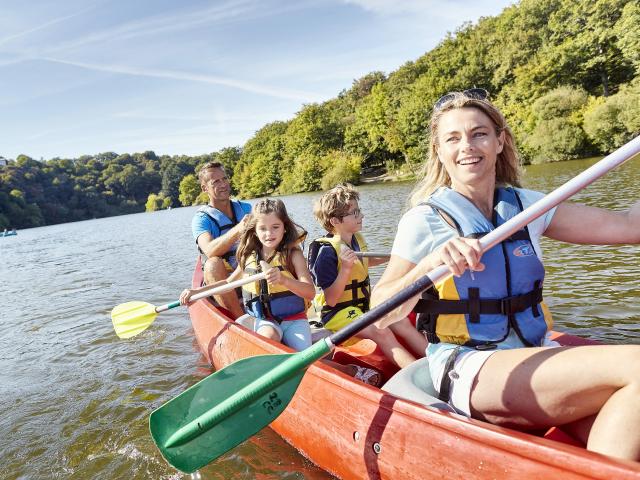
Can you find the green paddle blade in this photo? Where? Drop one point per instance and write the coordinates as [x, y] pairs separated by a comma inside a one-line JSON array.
[[131, 318], [229, 406]]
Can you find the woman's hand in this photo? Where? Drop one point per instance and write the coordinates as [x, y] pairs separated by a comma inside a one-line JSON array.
[[185, 296], [460, 254]]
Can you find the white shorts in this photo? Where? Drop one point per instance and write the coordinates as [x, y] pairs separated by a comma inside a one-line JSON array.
[[465, 370]]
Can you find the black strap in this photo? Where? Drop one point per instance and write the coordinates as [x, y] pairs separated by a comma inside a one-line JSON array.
[[445, 382], [502, 306]]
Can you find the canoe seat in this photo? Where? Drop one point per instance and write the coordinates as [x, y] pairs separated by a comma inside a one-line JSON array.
[[414, 383]]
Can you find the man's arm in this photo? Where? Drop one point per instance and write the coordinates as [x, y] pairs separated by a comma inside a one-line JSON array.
[[217, 246]]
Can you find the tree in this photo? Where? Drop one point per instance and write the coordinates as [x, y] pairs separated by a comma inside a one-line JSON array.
[[558, 133], [189, 190], [628, 34], [259, 170], [612, 122]]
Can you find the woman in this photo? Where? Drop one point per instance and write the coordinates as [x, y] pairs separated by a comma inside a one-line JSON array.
[[489, 352]]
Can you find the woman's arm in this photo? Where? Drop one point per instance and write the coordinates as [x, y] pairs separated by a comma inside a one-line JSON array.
[[577, 223], [458, 254]]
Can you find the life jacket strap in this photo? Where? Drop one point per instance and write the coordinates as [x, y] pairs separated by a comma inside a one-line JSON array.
[[476, 306]]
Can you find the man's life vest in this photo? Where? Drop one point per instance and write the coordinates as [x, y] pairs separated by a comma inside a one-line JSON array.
[[479, 308], [273, 302], [224, 224], [357, 291]]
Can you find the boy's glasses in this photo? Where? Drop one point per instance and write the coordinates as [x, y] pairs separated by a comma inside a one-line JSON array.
[[356, 213], [475, 93]]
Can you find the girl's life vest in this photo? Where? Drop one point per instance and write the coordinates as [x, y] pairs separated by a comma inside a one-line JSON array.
[[358, 290], [479, 308], [224, 224], [273, 302]]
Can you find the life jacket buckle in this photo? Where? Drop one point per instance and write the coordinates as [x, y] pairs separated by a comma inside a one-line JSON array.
[[506, 306]]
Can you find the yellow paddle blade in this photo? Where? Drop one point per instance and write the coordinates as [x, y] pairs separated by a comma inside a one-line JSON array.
[[131, 318]]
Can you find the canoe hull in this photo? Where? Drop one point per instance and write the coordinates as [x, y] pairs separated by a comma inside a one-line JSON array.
[[355, 431]]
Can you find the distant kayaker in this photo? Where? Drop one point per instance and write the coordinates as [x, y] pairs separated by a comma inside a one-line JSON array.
[[490, 355], [216, 228], [344, 280]]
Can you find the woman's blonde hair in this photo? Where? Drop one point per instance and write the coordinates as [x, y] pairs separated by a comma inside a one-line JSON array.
[[434, 175], [250, 243]]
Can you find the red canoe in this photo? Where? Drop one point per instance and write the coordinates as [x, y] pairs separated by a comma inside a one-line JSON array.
[[355, 431]]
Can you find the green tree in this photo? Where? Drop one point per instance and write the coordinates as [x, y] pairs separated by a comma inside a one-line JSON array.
[[612, 122], [340, 167], [558, 133], [259, 169], [628, 33], [189, 190]]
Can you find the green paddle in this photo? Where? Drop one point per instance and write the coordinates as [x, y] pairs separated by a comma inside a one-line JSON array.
[[131, 318], [232, 404]]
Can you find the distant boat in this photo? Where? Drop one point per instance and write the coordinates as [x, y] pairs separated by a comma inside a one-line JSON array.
[[8, 233]]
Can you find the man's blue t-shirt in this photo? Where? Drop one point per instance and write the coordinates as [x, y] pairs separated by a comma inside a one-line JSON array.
[[202, 222]]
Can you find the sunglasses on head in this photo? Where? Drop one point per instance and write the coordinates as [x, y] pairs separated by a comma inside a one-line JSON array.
[[475, 93]]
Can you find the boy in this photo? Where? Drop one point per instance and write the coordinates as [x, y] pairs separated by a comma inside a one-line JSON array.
[[344, 279]]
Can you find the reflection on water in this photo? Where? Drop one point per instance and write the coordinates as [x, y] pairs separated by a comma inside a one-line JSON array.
[[75, 398]]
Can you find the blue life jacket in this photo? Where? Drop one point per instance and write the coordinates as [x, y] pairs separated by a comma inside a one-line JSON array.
[[274, 302], [224, 224], [479, 308]]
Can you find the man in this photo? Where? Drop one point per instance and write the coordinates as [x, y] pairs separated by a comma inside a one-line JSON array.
[[216, 228]]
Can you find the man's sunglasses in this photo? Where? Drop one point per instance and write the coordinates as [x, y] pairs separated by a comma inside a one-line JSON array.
[[475, 93]]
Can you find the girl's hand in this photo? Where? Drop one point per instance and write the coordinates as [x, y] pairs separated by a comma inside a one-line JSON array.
[[460, 254], [185, 296], [274, 276]]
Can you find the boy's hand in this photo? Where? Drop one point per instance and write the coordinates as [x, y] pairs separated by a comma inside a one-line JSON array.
[[347, 257]]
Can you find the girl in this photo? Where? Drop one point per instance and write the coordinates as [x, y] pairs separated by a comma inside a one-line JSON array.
[[278, 303]]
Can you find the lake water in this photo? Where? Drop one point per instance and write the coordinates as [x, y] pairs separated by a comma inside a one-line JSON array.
[[75, 399]]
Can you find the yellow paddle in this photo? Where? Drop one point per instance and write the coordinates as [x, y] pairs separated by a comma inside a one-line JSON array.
[[131, 318]]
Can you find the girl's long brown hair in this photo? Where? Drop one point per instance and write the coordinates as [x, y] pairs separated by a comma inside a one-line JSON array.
[[434, 175], [249, 241]]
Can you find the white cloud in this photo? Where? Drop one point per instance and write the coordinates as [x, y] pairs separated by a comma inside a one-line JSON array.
[[194, 77]]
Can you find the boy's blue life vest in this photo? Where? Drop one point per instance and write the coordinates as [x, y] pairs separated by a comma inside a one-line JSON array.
[[273, 302], [479, 308], [224, 224]]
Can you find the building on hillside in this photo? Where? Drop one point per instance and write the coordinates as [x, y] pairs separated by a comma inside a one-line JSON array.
[[3, 162]]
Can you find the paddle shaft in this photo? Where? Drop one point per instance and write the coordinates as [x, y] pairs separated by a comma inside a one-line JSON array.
[[372, 255], [215, 290], [494, 237]]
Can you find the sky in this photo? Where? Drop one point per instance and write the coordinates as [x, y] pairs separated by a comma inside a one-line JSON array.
[[80, 77]]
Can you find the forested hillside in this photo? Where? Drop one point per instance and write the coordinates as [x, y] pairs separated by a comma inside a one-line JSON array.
[[566, 73]]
